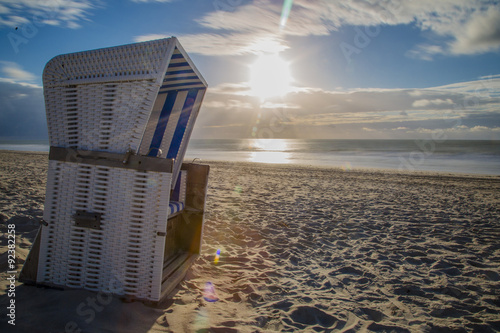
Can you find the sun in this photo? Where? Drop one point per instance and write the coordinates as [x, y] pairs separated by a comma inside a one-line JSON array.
[[270, 76]]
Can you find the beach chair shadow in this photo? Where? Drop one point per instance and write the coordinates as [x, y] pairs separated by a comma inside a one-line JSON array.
[[40, 309], [123, 213]]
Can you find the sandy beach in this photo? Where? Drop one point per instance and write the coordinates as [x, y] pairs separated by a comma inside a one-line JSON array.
[[301, 249]]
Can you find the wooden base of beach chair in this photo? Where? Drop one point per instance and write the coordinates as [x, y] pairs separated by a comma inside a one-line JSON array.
[[29, 271], [185, 230]]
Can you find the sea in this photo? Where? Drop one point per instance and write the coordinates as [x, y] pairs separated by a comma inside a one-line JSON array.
[[455, 156]]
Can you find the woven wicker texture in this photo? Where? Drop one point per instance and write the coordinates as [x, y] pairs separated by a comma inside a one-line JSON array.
[[126, 248], [102, 99], [102, 117], [138, 61], [113, 99], [143, 98]]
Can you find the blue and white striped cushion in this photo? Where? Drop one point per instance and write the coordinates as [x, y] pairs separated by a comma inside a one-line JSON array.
[[174, 207]]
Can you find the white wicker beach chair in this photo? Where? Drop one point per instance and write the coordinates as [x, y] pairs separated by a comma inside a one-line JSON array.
[[120, 215]]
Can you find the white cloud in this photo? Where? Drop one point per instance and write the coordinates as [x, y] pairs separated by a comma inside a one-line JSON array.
[[425, 130], [487, 87], [237, 104], [229, 111], [3, 9], [231, 89], [26, 14], [425, 51], [426, 102], [460, 129], [23, 84], [459, 26], [214, 104], [145, 38], [489, 77], [225, 126], [480, 34], [313, 112], [274, 105], [479, 129], [230, 100], [256, 16], [222, 44], [15, 73], [232, 43]]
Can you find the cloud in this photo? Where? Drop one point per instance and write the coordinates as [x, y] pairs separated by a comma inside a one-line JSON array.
[[25, 14], [254, 27], [145, 38], [487, 87], [231, 88], [307, 18], [233, 104], [458, 26], [235, 43], [226, 44], [277, 105], [480, 128], [15, 73], [425, 52], [321, 105], [467, 109], [460, 129], [480, 34], [426, 102], [489, 77], [30, 14], [313, 112]]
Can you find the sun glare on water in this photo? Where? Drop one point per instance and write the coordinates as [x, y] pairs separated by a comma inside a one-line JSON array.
[[270, 76], [269, 151]]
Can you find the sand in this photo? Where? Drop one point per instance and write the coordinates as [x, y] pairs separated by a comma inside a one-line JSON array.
[[301, 249]]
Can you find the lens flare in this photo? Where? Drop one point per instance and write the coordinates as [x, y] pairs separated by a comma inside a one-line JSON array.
[[346, 166], [217, 255], [209, 293], [285, 12], [201, 321]]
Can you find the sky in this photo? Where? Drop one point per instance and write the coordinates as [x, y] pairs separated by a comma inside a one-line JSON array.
[[313, 69]]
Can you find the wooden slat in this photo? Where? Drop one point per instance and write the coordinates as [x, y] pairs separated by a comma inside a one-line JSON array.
[[114, 160], [173, 264], [29, 271], [174, 273], [197, 181]]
